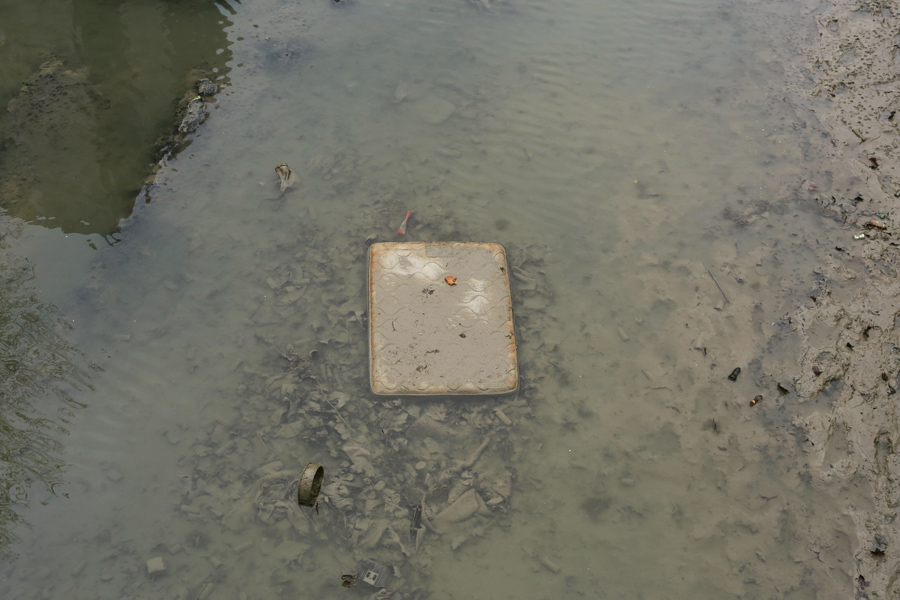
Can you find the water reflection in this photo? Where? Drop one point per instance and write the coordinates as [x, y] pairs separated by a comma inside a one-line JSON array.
[[90, 88], [38, 373]]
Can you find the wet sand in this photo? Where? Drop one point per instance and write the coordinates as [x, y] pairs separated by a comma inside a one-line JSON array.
[[850, 344]]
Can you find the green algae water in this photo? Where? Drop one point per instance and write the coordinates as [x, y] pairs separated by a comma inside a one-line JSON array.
[[90, 87], [636, 161]]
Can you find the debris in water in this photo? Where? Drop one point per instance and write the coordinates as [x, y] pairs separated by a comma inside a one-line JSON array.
[[205, 87], [373, 573], [310, 485], [285, 175], [347, 580], [156, 567], [734, 374], [549, 564], [880, 545], [300, 363], [415, 526], [402, 229], [450, 280], [718, 286]]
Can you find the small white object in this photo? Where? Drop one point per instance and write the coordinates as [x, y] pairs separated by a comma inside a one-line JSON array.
[[156, 567]]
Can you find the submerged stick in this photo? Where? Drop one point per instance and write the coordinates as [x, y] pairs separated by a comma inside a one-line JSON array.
[[336, 411], [474, 456], [718, 286]]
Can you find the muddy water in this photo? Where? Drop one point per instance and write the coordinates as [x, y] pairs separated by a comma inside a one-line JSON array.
[[93, 86], [641, 166]]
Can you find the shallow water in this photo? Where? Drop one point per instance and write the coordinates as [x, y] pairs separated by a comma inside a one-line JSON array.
[[76, 160], [633, 159]]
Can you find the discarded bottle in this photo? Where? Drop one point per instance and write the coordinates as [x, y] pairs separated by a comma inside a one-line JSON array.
[[756, 400], [734, 374]]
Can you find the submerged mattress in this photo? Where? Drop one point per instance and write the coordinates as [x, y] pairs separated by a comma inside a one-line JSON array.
[[440, 319]]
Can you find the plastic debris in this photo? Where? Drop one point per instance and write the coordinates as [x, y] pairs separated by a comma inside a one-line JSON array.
[[877, 223], [402, 229], [734, 374], [861, 236], [450, 280], [285, 175], [373, 573]]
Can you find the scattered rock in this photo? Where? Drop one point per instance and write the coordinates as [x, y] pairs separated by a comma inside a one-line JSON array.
[[156, 567], [193, 115], [205, 87]]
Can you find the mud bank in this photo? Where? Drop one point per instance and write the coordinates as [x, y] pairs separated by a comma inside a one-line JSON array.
[[56, 118], [850, 354]]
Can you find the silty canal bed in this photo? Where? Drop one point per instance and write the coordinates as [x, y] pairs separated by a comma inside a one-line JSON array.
[[647, 262]]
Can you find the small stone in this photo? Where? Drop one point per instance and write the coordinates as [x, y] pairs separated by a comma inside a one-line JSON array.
[[434, 110], [205, 87], [421, 465], [193, 115], [379, 486], [156, 567]]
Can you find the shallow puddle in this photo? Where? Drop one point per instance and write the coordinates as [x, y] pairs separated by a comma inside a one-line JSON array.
[[644, 174]]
